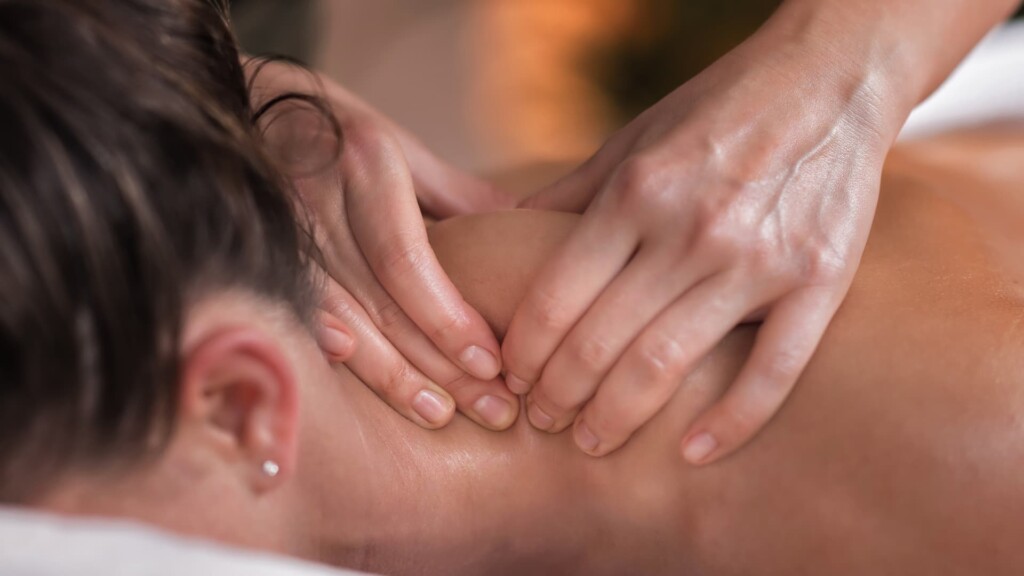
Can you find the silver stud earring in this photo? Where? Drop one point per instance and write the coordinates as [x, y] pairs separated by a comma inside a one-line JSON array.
[[271, 468]]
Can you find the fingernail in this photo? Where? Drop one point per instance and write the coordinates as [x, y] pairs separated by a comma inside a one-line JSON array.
[[494, 410], [539, 418], [585, 439], [699, 447], [516, 384], [479, 363], [333, 341], [431, 406]]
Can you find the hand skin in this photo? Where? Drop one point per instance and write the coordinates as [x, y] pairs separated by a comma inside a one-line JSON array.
[[900, 453], [745, 195], [388, 307]]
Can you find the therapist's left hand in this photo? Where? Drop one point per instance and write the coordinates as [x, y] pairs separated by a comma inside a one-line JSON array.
[[746, 194], [390, 310]]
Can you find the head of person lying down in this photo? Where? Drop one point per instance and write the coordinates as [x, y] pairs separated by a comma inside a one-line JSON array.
[[156, 364]]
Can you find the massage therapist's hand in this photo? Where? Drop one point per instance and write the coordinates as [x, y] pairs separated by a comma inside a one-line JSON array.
[[417, 343], [747, 194]]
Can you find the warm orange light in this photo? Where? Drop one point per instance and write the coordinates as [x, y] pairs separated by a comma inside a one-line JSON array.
[[534, 100]]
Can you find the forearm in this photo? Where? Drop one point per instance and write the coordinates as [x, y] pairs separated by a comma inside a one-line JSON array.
[[900, 50]]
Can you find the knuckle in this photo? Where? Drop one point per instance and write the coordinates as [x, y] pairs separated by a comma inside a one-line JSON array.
[[762, 258], [558, 407], [782, 369], [550, 312], [401, 257], [637, 184], [451, 324], [338, 306], [718, 235], [388, 316], [607, 423], [739, 420], [556, 400], [456, 383], [813, 256], [592, 353], [363, 134], [742, 171], [394, 380], [823, 266], [662, 357]]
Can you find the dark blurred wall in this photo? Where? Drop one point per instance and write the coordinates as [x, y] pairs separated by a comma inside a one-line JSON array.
[[279, 27], [672, 41]]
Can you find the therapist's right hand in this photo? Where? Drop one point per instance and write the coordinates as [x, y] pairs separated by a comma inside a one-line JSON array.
[[407, 332]]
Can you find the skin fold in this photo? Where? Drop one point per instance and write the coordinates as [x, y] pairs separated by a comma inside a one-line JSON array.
[[899, 452]]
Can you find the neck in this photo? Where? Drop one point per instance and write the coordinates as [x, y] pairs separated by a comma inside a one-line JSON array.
[[464, 499], [497, 501]]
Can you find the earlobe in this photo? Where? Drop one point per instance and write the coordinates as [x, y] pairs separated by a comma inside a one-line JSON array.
[[239, 391]]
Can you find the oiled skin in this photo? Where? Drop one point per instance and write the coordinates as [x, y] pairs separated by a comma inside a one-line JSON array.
[[901, 451]]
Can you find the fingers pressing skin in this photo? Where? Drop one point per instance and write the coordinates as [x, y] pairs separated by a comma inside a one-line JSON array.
[[780, 193], [390, 231], [785, 343], [398, 349], [416, 336], [648, 285], [565, 287], [384, 369], [656, 364], [341, 192]]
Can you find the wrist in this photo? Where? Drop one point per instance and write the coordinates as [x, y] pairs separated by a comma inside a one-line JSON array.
[[849, 58], [899, 49]]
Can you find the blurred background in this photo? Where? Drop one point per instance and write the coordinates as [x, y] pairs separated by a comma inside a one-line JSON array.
[[489, 84]]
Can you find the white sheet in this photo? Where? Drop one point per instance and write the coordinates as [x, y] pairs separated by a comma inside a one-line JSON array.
[[33, 544], [987, 87]]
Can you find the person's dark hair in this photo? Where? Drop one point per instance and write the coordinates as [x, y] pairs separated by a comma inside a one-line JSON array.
[[131, 182]]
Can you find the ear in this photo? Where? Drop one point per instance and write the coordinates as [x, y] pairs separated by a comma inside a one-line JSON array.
[[239, 392]]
